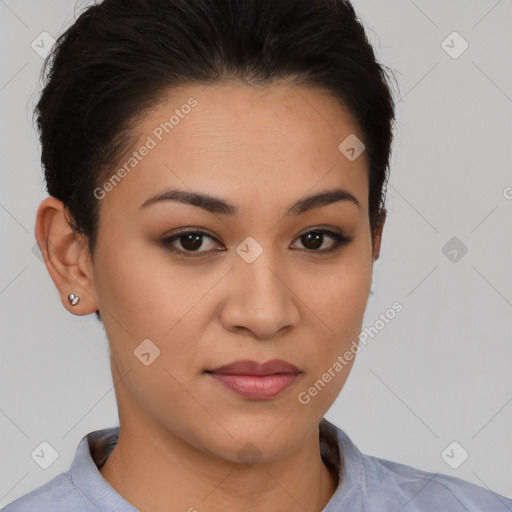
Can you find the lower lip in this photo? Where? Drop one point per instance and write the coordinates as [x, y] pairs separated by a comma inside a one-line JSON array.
[[256, 387]]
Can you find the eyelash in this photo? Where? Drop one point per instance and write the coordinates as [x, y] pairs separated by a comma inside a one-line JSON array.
[[340, 241]]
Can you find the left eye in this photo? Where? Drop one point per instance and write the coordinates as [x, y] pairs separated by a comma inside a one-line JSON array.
[[192, 241], [316, 238]]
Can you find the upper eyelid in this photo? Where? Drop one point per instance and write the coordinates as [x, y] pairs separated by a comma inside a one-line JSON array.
[[186, 231]]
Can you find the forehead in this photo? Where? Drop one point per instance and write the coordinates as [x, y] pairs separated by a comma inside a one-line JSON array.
[[249, 141]]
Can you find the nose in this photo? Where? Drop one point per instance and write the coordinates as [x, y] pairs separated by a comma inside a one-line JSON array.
[[260, 297]]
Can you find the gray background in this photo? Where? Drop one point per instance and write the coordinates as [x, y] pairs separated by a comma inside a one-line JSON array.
[[437, 373]]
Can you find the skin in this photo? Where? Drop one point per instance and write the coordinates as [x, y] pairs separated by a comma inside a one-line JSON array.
[[261, 149]]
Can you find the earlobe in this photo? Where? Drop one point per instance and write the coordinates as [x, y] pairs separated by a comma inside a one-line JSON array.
[[66, 256]]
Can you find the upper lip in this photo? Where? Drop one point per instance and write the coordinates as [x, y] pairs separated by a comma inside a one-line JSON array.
[[248, 367]]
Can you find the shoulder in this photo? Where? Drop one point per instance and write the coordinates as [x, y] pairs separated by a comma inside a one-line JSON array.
[[371, 484], [57, 495], [417, 490]]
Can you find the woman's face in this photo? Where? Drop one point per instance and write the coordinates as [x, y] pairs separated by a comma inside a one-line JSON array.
[[258, 285]]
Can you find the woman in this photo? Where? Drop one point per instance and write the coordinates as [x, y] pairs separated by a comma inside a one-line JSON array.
[[216, 172]]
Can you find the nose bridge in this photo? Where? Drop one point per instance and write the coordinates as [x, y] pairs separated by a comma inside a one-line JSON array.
[[256, 267]]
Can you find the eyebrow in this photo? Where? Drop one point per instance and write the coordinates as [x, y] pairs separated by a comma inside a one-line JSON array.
[[220, 206]]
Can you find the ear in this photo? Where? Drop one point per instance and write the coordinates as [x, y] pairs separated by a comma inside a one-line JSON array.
[[66, 256], [377, 236]]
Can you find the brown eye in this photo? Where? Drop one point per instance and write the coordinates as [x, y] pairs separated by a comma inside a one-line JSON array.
[[191, 241], [187, 242], [313, 240]]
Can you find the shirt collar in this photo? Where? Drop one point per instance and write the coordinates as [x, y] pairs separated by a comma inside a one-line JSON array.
[[351, 469], [85, 474]]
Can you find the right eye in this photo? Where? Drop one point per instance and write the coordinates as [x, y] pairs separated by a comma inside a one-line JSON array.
[[190, 242]]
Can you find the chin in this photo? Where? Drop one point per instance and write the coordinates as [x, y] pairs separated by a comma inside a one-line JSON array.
[[250, 444]]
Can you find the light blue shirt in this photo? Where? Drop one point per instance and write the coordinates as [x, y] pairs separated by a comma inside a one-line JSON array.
[[367, 484]]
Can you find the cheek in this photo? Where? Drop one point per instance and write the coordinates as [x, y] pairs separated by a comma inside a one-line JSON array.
[[142, 298], [143, 291], [336, 304], [338, 296], [145, 296], [333, 340]]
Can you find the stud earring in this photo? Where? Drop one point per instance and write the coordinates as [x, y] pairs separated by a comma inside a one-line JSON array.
[[73, 299]]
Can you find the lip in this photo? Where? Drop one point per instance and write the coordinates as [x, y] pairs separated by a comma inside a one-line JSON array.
[[248, 367], [254, 380]]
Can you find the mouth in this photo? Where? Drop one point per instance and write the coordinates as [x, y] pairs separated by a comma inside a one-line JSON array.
[[254, 380]]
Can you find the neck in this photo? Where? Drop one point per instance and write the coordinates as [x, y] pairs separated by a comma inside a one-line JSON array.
[[151, 472]]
